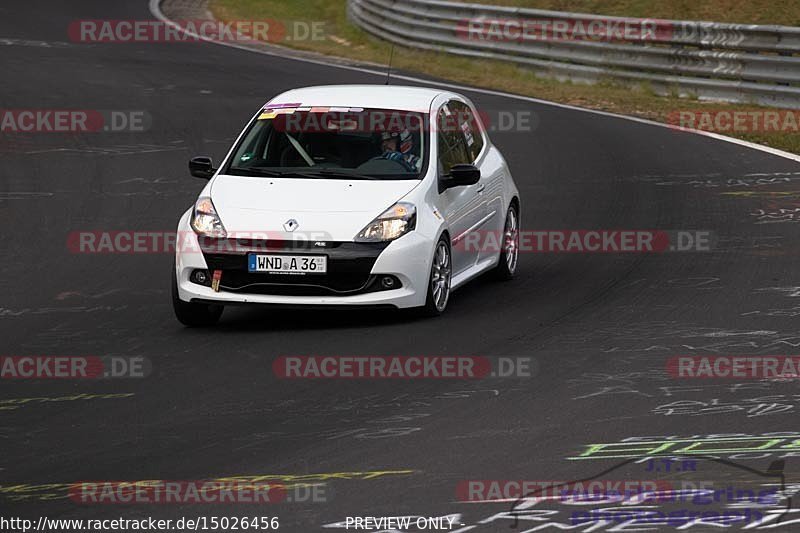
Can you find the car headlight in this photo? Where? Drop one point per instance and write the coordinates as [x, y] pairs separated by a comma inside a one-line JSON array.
[[391, 224], [205, 220]]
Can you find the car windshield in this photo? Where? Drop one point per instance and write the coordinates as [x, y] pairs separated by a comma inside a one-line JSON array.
[[332, 143]]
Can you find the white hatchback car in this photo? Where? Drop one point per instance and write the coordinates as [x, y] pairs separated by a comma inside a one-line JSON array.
[[353, 195]]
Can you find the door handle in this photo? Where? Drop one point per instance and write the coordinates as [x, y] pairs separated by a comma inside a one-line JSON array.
[[481, 187]]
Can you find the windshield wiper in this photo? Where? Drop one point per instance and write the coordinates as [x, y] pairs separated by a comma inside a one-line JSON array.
[[258, 171], [333, 173], [322, 173], [261, 171]]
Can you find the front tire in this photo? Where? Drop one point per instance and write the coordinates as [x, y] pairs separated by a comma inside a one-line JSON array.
[[509, 254], [439, 281], [193, 315]]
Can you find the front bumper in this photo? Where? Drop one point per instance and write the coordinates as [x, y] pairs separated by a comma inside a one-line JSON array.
[[354, 273]]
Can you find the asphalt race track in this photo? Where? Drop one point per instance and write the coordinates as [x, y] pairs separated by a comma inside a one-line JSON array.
[[599, 326]]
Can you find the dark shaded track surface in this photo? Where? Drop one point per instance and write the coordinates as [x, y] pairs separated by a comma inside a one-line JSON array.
[[601, 327]]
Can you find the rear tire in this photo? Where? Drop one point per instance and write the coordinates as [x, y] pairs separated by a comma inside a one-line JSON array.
[[439, 280], [193, 315], [509, 254]]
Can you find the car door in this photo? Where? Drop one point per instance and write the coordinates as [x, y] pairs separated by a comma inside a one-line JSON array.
[[462, 206], [490, 186]]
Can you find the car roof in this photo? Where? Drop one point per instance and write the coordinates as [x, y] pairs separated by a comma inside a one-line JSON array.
[[395, 97]]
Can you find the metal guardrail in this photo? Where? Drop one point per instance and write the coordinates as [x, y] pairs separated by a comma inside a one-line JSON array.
[[707, 60]]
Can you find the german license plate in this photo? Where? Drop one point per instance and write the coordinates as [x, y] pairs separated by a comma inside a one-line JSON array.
[[287, 264]]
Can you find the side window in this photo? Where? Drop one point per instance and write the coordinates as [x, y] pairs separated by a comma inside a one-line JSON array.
[[469, 126], [452, 146]]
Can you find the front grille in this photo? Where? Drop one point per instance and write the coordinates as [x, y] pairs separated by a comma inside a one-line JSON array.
[[245, 282]]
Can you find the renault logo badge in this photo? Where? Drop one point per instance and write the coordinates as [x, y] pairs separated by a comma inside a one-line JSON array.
[[290, 225]]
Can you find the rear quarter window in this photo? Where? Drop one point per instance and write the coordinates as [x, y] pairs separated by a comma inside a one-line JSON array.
[[469, 126]]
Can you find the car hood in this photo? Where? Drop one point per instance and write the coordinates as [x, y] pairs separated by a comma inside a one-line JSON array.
[[324, 209]]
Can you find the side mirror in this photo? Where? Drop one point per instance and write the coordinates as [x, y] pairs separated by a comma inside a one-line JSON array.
[[202, 167], [462, 175]]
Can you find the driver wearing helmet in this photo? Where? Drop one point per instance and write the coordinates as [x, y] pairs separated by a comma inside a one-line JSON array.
[[397, 147]]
